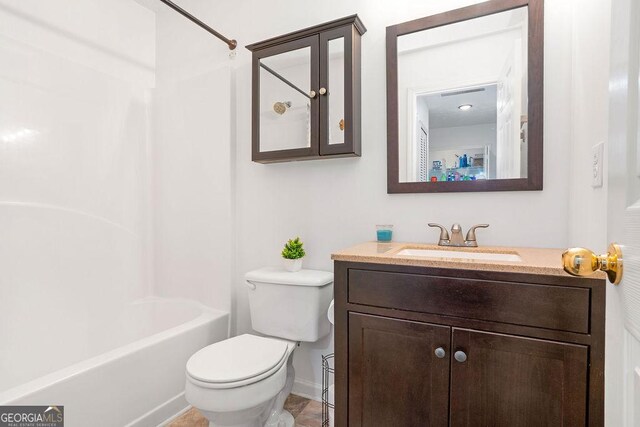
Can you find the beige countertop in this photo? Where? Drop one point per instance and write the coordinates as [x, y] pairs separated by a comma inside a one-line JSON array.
[[533, 260]]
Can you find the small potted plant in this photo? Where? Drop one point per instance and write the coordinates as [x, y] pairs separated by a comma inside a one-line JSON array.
[[293, 253]]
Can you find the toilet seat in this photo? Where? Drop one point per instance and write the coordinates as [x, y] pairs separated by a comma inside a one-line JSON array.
[[237, 361]]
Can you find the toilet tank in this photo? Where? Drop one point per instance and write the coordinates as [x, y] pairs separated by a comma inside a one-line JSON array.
[[290, 305]]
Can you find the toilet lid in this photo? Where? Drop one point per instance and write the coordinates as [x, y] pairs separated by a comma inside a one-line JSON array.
[[236, 359]]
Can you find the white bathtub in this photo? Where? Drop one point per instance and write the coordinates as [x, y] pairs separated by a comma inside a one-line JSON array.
[[132, 373]]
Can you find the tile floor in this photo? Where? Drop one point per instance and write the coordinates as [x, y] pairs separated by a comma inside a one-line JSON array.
[[308, 413]]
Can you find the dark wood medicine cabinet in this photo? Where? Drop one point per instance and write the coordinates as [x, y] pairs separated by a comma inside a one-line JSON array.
[[306, 93]]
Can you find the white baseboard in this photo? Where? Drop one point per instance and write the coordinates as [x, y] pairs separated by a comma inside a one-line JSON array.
[[307, 389], [163, 414]]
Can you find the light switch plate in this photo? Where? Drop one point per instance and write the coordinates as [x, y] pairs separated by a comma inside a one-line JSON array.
[[597, 165]]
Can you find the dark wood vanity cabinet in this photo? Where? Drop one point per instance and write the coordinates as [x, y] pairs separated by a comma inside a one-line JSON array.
[[306, 93], [419, 346]]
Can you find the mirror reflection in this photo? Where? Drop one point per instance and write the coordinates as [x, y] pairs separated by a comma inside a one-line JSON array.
[[462, 100], [335, 94], [285, 107]]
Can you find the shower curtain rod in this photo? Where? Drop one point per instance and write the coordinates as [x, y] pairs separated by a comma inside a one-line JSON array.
[[285, 81], [230, 42]]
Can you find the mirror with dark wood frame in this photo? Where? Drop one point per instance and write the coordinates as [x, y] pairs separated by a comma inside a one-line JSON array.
[[464, 100]]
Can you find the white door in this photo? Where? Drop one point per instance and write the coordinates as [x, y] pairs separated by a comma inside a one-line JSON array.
[[422, 160], [622, 371], [488, 172], [418, 162], [509, 99]]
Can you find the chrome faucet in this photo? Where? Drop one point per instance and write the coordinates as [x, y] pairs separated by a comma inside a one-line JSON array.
[[456, 235]]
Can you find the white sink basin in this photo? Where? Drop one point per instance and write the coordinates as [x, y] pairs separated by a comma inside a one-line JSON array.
[[461, 255]]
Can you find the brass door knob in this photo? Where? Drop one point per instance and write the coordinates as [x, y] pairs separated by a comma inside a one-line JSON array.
[[583, 262]]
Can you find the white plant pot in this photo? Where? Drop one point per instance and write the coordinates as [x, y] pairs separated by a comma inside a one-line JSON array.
[[292, 264]]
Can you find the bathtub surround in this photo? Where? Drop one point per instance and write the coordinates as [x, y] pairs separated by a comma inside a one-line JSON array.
[[192, 190], [74, 170], [144, 367], [88, 209]]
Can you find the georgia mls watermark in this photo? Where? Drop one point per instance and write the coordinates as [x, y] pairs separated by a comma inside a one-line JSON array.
[[31, 416]]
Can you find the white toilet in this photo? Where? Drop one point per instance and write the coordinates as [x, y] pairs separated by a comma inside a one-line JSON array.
[[243, 381]]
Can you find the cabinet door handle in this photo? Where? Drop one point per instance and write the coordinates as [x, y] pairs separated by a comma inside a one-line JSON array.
[[312, 94], [323, 91], [440, 353], [460, 356]]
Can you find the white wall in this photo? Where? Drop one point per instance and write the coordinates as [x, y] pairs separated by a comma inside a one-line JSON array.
[[338, 202], [73, 174], [589, 120], [332, 204]]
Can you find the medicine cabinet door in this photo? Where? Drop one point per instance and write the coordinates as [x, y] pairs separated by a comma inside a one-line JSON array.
[[286, 114], [339, 92]]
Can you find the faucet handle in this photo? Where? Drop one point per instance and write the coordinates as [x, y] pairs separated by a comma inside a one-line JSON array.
[[444, 234], [471, 234]]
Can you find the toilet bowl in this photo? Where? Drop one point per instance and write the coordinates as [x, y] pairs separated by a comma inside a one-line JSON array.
[[244, 381]]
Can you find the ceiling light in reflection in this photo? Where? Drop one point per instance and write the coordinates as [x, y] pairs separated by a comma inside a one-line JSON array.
[[465, 107], [18, 135]]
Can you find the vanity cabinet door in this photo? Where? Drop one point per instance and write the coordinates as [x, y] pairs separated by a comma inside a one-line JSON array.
[[502, 380], [395, 376]]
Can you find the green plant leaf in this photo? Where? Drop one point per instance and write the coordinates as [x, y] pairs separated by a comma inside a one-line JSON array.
[[293, 249]]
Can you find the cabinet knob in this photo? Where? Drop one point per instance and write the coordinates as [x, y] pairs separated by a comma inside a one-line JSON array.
[[460, 356], [440, 353], [323, 91], [312, 94]]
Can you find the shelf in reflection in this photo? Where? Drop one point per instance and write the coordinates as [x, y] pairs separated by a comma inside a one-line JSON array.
[[469, 173]]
